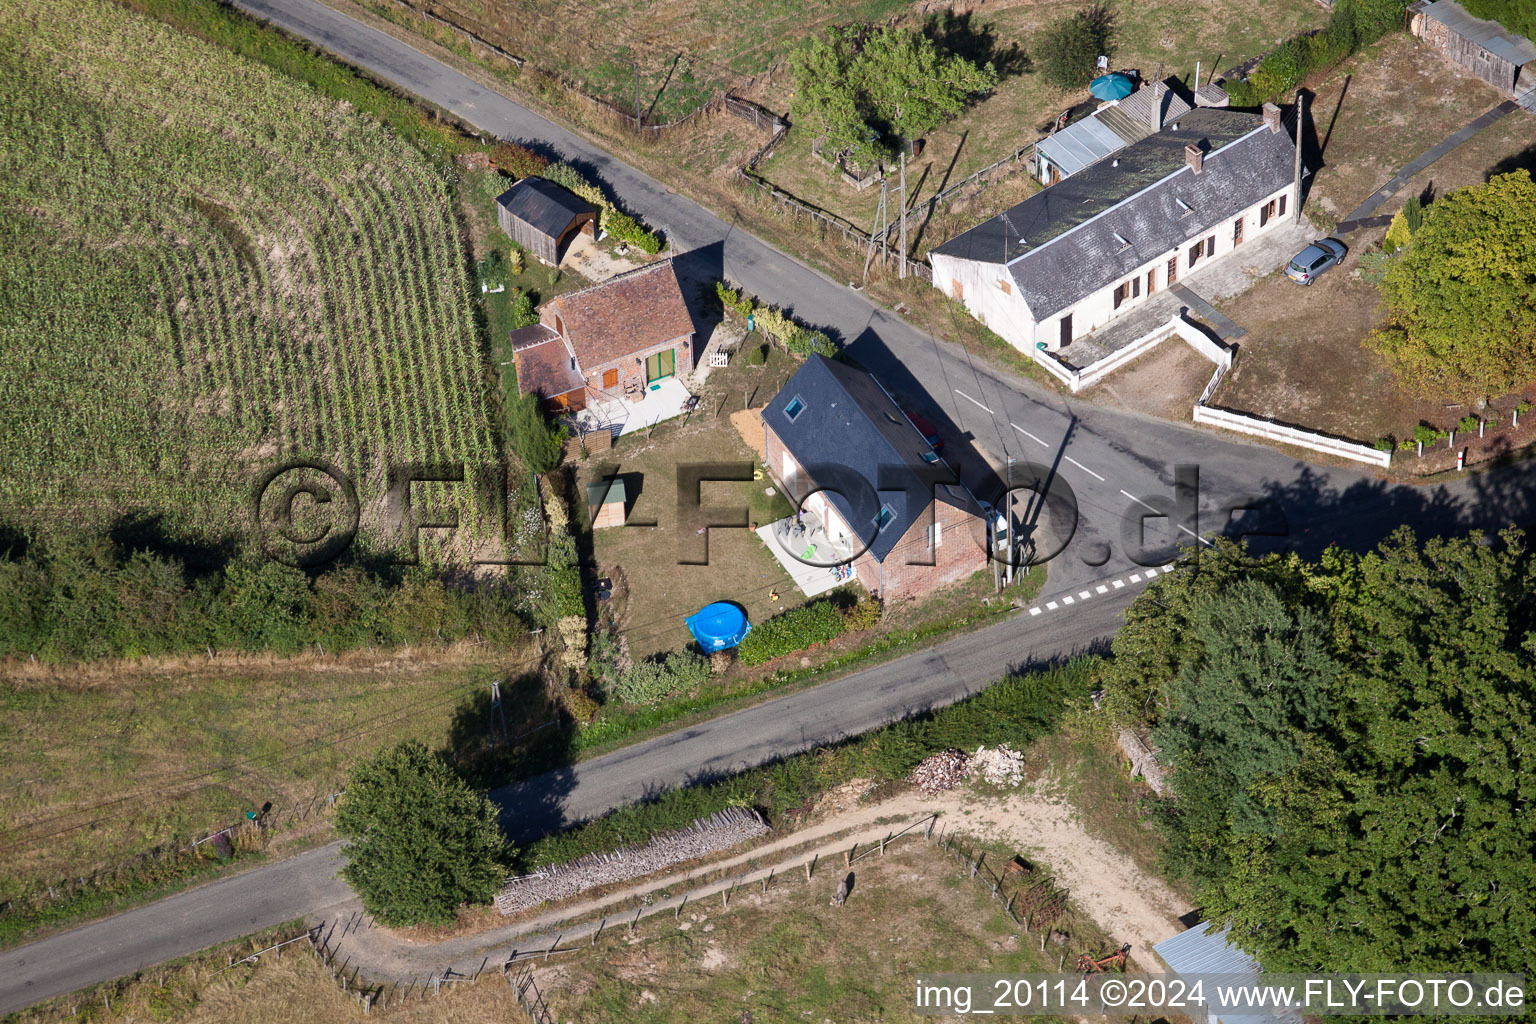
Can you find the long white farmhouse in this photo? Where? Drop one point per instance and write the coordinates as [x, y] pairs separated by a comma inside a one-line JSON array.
[[1081, 252]]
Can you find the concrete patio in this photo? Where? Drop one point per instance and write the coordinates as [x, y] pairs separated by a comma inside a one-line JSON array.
[[664, 400], [806, 552]]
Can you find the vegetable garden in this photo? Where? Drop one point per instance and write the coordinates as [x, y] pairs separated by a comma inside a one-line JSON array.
[[212, 268]]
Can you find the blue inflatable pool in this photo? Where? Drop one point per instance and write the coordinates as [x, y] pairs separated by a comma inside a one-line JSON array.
[[718, 626]]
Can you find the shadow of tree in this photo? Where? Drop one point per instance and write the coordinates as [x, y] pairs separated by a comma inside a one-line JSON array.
[[961, 34]]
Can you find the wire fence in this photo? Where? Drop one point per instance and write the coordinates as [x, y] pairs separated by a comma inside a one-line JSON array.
[[248, 833]]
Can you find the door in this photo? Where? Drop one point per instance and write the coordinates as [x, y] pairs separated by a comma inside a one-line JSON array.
[[1173, 268], [1066, 330], [660, 366], [1151, 281], [1237, 232], [610, 379]]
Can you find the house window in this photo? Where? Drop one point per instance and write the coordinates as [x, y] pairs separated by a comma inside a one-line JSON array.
[[1119, 294], [1173, 268], [1237, 232], [1195, 252], [935, 535], [1282, 206], [1210, 246], [1265, 212], [883, 518], [795, 407], [1135, 287], [610, 378]]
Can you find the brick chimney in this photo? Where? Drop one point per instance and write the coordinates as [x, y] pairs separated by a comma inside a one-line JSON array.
[[1271, 117], [1194, 157]]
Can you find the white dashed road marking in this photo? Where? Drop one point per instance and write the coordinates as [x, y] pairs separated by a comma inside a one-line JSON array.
[[1084, 468], [1102, 588], [1027, 434], [1137, 500], [973, 401]]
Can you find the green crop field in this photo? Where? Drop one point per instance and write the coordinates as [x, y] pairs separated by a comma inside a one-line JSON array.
[[211, 269]]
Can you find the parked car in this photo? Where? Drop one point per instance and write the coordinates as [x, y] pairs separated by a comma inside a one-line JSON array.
[[926, 429], [1310, 263]]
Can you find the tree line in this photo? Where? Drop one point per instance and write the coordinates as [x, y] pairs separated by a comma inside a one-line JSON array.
[[1351, 745], [75, 597]]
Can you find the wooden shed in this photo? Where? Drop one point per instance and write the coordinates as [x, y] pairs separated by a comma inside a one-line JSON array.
[[1485, 48], [605, 503], [543, 217]]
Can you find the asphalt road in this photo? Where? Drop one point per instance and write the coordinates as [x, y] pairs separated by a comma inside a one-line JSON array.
[[306, 885], [1114, 463]]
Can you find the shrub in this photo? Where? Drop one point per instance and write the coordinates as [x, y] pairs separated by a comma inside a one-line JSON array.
[[863, 614], [1426, 434], [1354, 24], [523, 314], [1386, 443], [612, 219], [492, 270], [1466, 423], [757, 355], [420, 842], [536, 441], [651, 682], [792, 631], [580, 704], [519, 161], [1067, 51], [775, 323]]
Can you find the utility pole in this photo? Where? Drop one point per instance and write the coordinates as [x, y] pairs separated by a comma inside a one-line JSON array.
[[903, 271], [1300, 99], [636, 66], [875, 229], [497, 715]]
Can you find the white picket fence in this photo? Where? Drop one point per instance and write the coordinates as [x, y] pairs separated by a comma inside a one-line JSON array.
[[1290, 435]]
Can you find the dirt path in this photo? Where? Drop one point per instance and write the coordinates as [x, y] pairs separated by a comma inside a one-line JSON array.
[[1131, 906]]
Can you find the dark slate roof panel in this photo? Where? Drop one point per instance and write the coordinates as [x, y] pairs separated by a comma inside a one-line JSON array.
[[543, 205], [1054, 211], [850, 423], [1089, 257]]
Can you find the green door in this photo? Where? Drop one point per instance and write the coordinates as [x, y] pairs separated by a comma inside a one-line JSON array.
[[660, 365]]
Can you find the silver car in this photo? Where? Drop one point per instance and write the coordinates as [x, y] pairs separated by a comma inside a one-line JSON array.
[[1310, 263]]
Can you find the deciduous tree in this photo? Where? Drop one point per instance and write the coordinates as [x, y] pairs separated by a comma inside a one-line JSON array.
[[420, 842], [1462, 296]]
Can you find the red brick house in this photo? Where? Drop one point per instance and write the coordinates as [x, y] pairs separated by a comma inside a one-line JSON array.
[[845, 453], [613, 340]]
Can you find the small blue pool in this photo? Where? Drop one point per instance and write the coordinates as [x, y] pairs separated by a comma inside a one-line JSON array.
[[718, 626]]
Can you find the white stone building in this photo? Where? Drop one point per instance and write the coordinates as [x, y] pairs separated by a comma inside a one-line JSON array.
[[1090, 248]]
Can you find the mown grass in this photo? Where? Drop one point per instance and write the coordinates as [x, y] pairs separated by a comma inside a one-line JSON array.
[[99, 770], [280, 275]]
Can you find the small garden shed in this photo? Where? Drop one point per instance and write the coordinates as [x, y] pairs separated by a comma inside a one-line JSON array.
[[1485, 48], [543, 217], [605, 503]]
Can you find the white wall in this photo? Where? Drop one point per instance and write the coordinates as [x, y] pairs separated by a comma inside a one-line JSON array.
[[1009, 316]]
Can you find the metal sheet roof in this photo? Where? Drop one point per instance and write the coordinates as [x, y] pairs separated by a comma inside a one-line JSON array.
[[1196, 952], [1079, 145], [1490, 35]]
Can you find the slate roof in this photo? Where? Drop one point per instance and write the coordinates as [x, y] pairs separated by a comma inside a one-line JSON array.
[[544, 206], [626, 314], [544, 368], [1061, 243], [1490, 35], [849, 422]]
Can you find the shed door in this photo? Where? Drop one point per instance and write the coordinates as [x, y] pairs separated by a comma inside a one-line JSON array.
[[610, 378], [661, 365]]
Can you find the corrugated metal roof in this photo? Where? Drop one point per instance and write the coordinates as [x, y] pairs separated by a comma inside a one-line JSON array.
[[1490, 35], [1079, 145], [1196, 952]]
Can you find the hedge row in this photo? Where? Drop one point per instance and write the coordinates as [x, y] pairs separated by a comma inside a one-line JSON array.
[[791, 631], [613, 220], [1353, 25], [774, 322], [84, 597], [1017, 710]]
